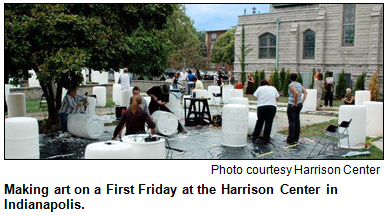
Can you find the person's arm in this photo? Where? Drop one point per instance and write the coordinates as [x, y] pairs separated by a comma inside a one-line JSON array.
[[296, 95], [277, 95], [304, 94], [119, 126], [152, 94], [351, 99]]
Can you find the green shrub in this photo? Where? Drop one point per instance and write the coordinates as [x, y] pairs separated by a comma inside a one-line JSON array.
[[300, 79], [286, 83], [243, 77], [275, 80], [312, 80], [262, 74], [256, 77], [360, 83], [340, 90], [282, 77]]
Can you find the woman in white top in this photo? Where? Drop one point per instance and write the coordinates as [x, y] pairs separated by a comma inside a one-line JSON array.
[[267, 97], [319, 85]]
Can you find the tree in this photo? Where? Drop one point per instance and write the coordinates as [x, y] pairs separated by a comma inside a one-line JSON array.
[[262, 74], [58, 40], [286, 83], [312, 80], [282, 77], [245, 50], [256, 77], [374, 86], [300, 78], [340, 91], [360, 83], [275, 80], [223, 50], [270, 78]]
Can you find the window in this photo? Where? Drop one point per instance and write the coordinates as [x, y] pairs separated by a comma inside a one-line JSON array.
[[214, 37], [349, 24], [309, 44], [267, 46]]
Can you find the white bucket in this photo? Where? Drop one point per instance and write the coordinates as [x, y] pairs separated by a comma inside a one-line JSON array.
[[236, 93], [242, 101], [33, 82], [357, 128], [202, 94], [100, 92], [374, 118], [86, 126], [116, 94], [214, 100], [362, 96], [91, 108], [103, 78], [174, 105], [109, 150], [21, 138], [146, 150], [226, 92], [166, 123], [252, 124], [126, 97], [234, 125], [310, 104], [148, 100], [95, 76], [16, 105], [188, 102]]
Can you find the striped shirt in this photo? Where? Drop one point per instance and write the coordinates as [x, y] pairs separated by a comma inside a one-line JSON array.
[[299, 89], [69, 104]]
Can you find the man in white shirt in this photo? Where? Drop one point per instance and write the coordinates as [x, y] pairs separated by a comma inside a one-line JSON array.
[[267, 97], [183, 79], [125, 80]]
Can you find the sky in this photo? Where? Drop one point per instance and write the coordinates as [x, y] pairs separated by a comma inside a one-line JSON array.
[[220, 16]]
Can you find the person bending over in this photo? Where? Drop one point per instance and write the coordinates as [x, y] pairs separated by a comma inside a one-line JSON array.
[[134, 119], [159, 99]]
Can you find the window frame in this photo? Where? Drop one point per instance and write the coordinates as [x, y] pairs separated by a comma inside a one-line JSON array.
[[268, 46], [348, 24], [304, 43]]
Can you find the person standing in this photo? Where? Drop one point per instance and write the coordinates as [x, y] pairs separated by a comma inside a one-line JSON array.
[[125, 80], [219, 80], [295, 105], [329, 89], [183, 78], [317, 74], [190, 82], [134, 119], [319, 85], [267, 96], [198, 83], [250, 84], [232, 80], [175, 80], [72, 103], [159, 99], [143, 105]]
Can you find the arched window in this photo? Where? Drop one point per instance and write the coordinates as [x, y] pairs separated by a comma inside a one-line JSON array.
[[309, 44], [267, 46]]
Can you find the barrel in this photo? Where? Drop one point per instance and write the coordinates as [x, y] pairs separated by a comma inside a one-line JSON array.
[[310, 104], [21, 138], [103, 78], [146, 150], [362, 96], [174, 104], [148, 100], [374, 118], [216, 90], [126, 97], [226, 92], [91, 108], [252, 123], [85, 126], [242, 101], [95, 76], [116, 94], [357, 128], [100, 92], [236, 93], [109, 150], [16, 105], [234, 125], [166, 123]]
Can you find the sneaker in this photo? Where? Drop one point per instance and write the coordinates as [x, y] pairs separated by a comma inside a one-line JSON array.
[[64, 135]]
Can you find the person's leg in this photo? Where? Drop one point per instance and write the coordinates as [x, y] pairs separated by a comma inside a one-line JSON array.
[[63, 118], [319, 95], [331, 99], [291, 123], [270, 115], [326, 98], [259, 123], [297, 122]]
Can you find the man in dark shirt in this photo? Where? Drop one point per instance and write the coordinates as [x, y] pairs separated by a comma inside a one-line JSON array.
[[159, 98]]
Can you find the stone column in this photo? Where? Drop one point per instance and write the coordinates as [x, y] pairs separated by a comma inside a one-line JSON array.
[[294, 46]]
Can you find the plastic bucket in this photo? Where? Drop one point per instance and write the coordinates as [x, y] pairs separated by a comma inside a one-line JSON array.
[[242, 101], [166, 123], [100, 92], [174, 105], [86, 126], [234, 125], [16, 105], [109, 150], [146, 150]]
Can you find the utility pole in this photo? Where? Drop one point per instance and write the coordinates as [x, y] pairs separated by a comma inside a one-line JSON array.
[[277, 43]]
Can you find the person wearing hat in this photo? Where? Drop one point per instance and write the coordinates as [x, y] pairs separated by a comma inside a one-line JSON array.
[[159, 99]]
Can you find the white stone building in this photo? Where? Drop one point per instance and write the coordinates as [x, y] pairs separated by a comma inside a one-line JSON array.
[[326, 36]]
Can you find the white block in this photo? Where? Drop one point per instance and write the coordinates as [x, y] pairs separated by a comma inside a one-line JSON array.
[[234, 125], [374, 118], [103, 78], [33, 82], [214, 100], [226, 93], [126, 97], [362, 96], [357, 128], [116, 94], [16, 105], [100, 92], [310, 104]]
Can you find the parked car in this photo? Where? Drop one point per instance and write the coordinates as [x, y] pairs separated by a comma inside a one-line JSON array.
[[209, 75], [169, 73]]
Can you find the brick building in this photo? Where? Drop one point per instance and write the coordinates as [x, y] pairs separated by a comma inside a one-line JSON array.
[[211, 38], [326, 36]]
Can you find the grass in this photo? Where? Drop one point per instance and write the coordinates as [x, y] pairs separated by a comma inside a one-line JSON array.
[[32, 106], [316, 130], [282, 99]]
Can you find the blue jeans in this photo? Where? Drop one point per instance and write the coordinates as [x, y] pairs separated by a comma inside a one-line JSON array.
[[189, 87], [63, 118], [293, 114]]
